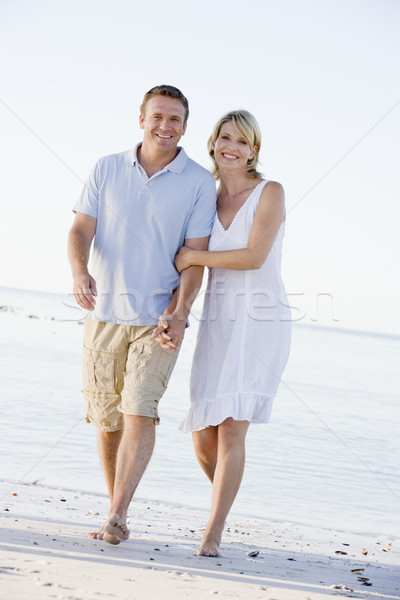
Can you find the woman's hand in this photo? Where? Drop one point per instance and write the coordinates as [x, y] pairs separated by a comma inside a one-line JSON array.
[[182, 261]]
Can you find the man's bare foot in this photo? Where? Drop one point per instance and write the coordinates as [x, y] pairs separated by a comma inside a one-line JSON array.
[[115, 527], [103, 535], [208, 547]]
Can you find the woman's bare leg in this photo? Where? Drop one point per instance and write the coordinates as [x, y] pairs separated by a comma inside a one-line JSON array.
[[226, 481], [206, 447]]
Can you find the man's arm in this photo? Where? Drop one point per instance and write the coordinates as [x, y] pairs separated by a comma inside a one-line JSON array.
[[172, 323], [79, 241]]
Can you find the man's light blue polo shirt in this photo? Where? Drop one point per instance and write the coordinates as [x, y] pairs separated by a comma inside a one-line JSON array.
[[141, 224]]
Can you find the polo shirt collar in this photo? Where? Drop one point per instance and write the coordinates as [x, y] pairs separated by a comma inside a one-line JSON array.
[[175, 166]]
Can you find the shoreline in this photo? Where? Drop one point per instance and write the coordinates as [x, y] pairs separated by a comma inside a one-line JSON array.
[[272, 521], [44, 549]]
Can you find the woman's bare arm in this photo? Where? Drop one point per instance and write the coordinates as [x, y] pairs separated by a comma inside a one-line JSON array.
[[267, 221]]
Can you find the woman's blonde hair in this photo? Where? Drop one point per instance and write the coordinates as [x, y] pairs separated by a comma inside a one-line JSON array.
[[247, 125]]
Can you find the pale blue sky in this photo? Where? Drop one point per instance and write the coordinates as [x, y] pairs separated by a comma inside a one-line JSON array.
[[318, 75]]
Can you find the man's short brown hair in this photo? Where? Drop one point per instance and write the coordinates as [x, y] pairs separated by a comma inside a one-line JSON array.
[[170, 92]]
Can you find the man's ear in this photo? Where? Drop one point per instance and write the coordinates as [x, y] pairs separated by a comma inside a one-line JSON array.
[[184, 128], [141, 121]]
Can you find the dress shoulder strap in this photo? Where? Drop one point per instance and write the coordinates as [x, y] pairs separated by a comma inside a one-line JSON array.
[[256, 196]]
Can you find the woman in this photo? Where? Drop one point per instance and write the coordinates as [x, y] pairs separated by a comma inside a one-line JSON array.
[[244, 334]]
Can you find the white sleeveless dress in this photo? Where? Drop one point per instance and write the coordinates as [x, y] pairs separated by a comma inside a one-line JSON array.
[[244, 335]]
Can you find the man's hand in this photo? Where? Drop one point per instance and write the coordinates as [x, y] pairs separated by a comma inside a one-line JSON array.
[[79, 241], [170, 331], [84, 291]]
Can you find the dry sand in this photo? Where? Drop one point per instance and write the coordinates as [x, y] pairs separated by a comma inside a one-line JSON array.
[[44, 553]]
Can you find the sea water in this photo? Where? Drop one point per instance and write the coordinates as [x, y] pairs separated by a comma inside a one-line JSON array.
[[329, 456]]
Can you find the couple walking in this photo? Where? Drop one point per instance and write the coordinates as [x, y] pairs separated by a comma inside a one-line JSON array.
[[150, 214]]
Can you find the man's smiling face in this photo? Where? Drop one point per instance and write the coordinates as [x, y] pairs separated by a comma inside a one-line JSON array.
[[163, 123]]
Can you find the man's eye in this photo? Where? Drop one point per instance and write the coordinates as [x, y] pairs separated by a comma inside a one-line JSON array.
[[243, 142]]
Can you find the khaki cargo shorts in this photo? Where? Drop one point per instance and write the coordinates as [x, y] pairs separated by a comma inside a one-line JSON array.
[[125, 371]]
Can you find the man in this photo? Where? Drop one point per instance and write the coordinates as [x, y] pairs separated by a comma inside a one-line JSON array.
[[140, 207]]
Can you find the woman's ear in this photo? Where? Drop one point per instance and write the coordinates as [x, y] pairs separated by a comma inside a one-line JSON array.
[[253, 153]]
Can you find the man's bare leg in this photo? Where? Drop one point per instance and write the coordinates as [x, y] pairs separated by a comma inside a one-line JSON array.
[[227, 478], [108, 443], [134, 453]]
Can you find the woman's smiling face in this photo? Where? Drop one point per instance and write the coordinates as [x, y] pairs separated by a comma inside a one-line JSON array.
[[232, 149]]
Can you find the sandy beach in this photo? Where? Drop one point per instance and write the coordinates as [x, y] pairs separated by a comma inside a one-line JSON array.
[[44, 553]]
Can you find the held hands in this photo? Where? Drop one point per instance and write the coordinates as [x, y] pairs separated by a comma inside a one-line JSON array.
[[169, 332], [84, 291], [182, 259]]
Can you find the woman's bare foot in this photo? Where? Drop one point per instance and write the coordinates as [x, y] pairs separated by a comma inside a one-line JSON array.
[[115, 527], [103, 535], [209, 547]]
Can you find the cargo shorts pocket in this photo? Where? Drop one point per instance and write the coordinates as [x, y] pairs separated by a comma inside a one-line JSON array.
[[166, 363], [99, 372]]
